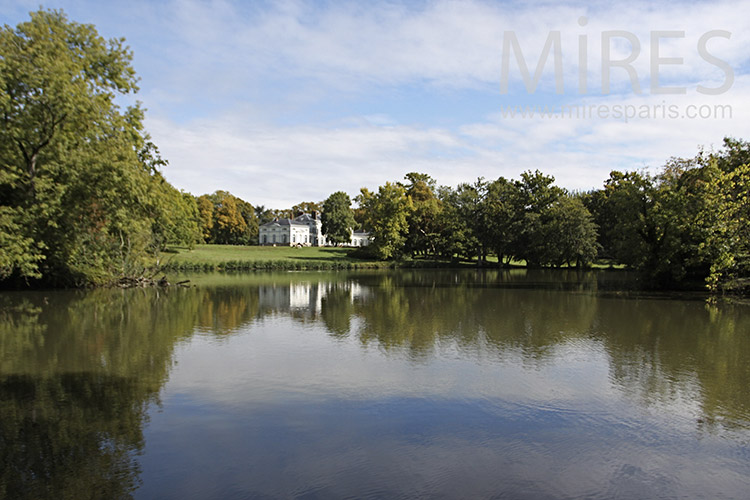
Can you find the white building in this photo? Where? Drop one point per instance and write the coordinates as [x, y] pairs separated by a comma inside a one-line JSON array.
[[304, 230], [360, 238], [283, 232], [317, 238]]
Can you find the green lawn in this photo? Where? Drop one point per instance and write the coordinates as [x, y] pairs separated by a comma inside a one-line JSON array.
[[257, 257], [235, 257]]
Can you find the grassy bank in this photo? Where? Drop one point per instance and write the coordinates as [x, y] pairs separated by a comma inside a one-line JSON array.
[[235, 257], [248, 258]]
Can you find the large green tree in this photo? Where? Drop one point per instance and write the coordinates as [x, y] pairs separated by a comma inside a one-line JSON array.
[[502, 211], [536, 195], [386, 214], [338, 218], [423, 220], [227, 219], [79, 182], [463, 221], [569, 234]]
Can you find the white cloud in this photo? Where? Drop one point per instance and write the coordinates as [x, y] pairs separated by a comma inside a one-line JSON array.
[[284, 165], [278, 102], [281, 165], [458, 44]]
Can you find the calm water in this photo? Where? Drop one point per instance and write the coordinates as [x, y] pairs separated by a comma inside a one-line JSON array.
[[374, 385]]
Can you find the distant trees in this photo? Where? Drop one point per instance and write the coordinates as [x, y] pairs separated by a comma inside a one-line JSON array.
[[502, 204], [227, 219], [306, 207], [263, 214], [688, 222], [338, 218], [530, 219], [176, 217], [569, 233]]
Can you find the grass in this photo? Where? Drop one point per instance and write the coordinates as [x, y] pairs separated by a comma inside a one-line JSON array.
[[248, 258], [235, 257]]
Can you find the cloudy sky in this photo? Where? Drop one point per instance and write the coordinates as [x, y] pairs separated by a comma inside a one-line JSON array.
[[284, 101]]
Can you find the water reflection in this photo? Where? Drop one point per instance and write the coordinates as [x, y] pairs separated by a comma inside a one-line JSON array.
[[77, 373], [81, 372]]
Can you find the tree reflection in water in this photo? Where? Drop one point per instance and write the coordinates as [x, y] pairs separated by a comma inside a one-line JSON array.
[[79, 370]]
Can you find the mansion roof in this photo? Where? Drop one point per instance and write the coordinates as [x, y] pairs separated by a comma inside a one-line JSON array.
[[283, 222]]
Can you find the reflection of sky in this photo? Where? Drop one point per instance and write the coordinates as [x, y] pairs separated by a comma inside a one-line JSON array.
[[284, 409], [283, 355]]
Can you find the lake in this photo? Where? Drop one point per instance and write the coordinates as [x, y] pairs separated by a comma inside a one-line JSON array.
[[392, 384]]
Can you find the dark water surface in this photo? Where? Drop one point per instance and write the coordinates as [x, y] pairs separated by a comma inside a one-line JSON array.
[[409, 384]]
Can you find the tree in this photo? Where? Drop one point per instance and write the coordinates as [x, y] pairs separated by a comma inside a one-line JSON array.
[[734, 154], [502, 211], [338, 218], [386, 215], [726, 216], [250, 235], [423, 233], [206, 214], [536, 194], [729, 240], [229, 225], [569, 234], [263, 214], [307, 207], [463, 221], [227, 219], [176, 219], [78, 174]]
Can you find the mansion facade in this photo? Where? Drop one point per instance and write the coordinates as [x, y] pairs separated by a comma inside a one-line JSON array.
[[303, 230]]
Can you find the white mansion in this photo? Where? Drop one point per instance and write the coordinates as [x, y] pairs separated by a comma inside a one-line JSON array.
[[303, 230]]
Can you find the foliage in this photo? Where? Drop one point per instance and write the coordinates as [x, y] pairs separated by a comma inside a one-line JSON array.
[[386, 215], [228, 220], [685, 224], [206, 214], [263, 214], [338, 218], [423, 220], [501, 209], [536, 195], [569, 234], [463, 221], [726, 218], [82, 197], [176, 218], [306, 207]]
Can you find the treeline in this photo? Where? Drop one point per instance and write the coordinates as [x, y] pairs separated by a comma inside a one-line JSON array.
[[83, 201], [528, 219], [689, 222]]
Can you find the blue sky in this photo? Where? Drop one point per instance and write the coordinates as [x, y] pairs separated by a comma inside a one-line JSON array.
[[280, 102]]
